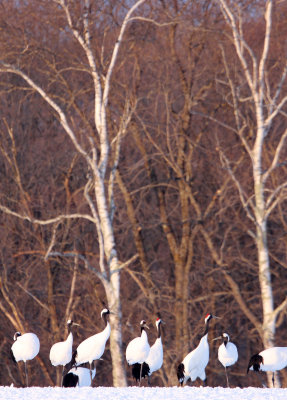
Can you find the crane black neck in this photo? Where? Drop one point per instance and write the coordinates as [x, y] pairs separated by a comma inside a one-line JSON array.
[[158, 331], [142, 329], [105, 314], [225, 341], [206, 327], [70, 324]]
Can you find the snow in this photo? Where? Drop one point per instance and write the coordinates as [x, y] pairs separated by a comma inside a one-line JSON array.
[[144, 393]]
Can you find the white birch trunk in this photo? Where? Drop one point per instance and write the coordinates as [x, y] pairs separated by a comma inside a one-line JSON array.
[[264, 274], [101, 214], [256, 77]]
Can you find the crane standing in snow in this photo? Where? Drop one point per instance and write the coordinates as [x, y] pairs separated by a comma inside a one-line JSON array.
[[25, 348], [138, 349], [272, 359], [227, 353], [93, 347], [155, 358], [78, 376], [61, 352], [194, 364]]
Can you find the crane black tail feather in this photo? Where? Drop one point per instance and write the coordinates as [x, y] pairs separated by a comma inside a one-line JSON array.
[[180, 373], [137, 368], [70, 380], [255, 362]]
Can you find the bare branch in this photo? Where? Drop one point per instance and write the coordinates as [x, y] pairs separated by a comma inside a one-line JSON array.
[[268, 19], [126, 263], [274, 198], [276, 157], [245, 201], [101, 276], [34, 297], [57, 219], [279, 309]]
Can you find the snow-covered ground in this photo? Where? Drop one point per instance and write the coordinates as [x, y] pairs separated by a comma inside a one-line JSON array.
[[145, 393]]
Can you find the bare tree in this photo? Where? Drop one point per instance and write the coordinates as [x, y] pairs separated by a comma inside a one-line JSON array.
[[267, 104], [95, 149]]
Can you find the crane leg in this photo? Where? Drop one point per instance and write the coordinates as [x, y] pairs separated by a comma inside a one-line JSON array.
[[262, 382], [141, 374], [148, 380], [63, 369], [91, 375], [227, 381], [273, 381], [26, 374]]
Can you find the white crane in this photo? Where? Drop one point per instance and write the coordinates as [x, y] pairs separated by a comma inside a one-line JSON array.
[[138, 349], [61, 352], [193, 365], [155, 358], [78, 376], [272, 359], [93, 347], [227, 353], [25, 348]]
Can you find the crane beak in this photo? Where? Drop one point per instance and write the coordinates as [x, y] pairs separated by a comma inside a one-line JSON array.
[[145, 325], [74, 323], [219, 337], [214, 316]]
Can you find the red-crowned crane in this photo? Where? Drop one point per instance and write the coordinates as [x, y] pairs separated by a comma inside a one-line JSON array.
[[93, 347], [78, 376], [227, 353], [194, 364], [138, 349], [25, 348], [272, 359], [61, 352], [155, 358]]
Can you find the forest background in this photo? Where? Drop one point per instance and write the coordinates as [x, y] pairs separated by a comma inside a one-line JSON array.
[[143, 165]]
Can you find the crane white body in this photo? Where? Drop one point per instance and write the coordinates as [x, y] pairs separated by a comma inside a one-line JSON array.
[[196, 361], [138, 349], [25, 347], [61, 352], [84, 375], [227, 352], [93, 347], [155, 357], [274, 359], [194, 364]]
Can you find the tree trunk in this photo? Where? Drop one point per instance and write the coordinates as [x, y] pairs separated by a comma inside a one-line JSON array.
[[118, 365]]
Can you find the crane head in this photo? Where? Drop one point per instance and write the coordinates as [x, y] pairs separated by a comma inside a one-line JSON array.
[[105, 311], [70, 323], [208, 317], [159, 321], [17, 334], [143, 324], [226, 336]]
